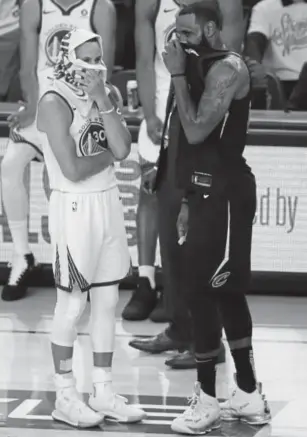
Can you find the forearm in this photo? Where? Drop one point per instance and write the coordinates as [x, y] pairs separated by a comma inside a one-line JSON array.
[[186, 108], [117, 134], [29, 87], [87, 166], [255, 46], [147, 88]]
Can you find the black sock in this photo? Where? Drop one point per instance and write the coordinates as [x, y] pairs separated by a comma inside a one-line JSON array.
[[206, 375], [244, 363]]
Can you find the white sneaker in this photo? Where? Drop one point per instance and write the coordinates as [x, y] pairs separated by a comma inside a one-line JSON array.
[[70, 409], [251, 408], [113, 406], [201, 417]]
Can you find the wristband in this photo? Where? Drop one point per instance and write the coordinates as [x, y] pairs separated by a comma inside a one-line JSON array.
[[177, 75], [108, 111], [184, 200]]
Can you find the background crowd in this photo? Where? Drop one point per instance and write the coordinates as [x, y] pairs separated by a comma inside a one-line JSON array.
[[276, 46]]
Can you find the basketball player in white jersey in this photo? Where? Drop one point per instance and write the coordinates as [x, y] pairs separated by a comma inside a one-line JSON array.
[[155, 27], [83, 134], [43, 23]]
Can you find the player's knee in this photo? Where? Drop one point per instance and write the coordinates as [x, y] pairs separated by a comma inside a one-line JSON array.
[[105, 298], [66, 317]]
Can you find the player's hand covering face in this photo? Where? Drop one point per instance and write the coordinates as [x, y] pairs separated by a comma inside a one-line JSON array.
[[174, 57], [93, 83]]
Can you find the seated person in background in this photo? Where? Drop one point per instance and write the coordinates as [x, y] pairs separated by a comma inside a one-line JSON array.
[[298, 98], [276, 40], [9, 40]]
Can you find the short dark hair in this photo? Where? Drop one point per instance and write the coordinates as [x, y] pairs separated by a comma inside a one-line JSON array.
[[204, 11]]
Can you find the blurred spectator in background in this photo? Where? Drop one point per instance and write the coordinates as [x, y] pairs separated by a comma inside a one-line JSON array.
[[125, 47], [298, 98], [9, 56], [277, 40]]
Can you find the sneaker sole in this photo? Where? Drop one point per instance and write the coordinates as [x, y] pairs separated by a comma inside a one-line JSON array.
[[120, 419], [249, 422], [58, 416], [183, 430]]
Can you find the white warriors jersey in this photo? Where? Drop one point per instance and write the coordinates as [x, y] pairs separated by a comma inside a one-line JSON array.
[[87, 130], [164, 30], [56, 21]]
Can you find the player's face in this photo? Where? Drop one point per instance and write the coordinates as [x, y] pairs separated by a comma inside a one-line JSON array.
[[191, 34], [188, 31], [89, 52]]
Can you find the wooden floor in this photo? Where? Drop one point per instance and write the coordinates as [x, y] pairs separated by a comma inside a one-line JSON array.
[[27, 392]]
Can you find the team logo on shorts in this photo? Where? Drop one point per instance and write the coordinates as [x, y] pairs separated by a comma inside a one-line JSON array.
[[220, 280], [53, 42], [84, 12], [93, 139]]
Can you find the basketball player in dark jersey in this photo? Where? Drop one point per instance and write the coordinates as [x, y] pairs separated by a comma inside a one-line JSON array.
[[207, 119], [155, 25]]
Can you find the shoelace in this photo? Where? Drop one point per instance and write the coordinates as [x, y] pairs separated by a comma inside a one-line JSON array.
[[119, 401], [11, 266], [193, 404], [76, 405]]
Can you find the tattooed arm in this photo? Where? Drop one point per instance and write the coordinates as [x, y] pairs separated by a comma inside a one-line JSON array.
[[226, 79]]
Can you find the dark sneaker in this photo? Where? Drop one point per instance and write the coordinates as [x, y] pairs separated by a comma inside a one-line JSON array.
[[159, 314], [142, 302], [16, 288]]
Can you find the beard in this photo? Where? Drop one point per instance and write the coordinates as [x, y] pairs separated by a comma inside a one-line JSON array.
[[202, 47]]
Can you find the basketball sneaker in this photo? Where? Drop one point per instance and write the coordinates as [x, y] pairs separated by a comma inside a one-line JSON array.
[[21, 267], [251, 408], [70, 408], [142, 303], [201, 417], [112, 406]]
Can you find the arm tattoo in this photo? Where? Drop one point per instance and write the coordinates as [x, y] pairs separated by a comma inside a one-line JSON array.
[[220, 88]]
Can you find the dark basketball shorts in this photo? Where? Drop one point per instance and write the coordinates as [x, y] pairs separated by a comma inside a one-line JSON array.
[[217, 251]]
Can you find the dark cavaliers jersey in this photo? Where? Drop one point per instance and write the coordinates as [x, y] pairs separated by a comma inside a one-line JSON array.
[[220, 155]]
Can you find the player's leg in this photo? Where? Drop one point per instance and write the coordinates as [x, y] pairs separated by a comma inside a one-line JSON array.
[[112, 267], [15, 200], [144, 298], [247, 403], [69, 274]]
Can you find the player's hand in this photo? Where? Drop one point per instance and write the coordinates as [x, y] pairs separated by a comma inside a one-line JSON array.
[[183, 223], [174, 57], [24, 117], [93, 83], [154, 129], [149, 180], [257, 72]]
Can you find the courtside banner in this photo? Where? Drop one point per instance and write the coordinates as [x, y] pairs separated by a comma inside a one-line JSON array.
[[280, 228]]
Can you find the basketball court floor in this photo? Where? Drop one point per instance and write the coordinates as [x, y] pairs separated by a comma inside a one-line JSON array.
[[27, 392]]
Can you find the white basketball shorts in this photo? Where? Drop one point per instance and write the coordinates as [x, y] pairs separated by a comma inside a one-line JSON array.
[[88, 238]]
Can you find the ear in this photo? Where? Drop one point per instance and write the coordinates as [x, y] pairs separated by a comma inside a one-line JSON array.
[[210, 29]]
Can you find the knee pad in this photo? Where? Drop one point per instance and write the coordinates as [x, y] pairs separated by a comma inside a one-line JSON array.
[[68, 310], [102, 326], [104, 299]]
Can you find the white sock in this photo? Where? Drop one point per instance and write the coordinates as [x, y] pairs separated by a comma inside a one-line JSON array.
[[101, 375], [148, 272], [19, 231], [102, 382]]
